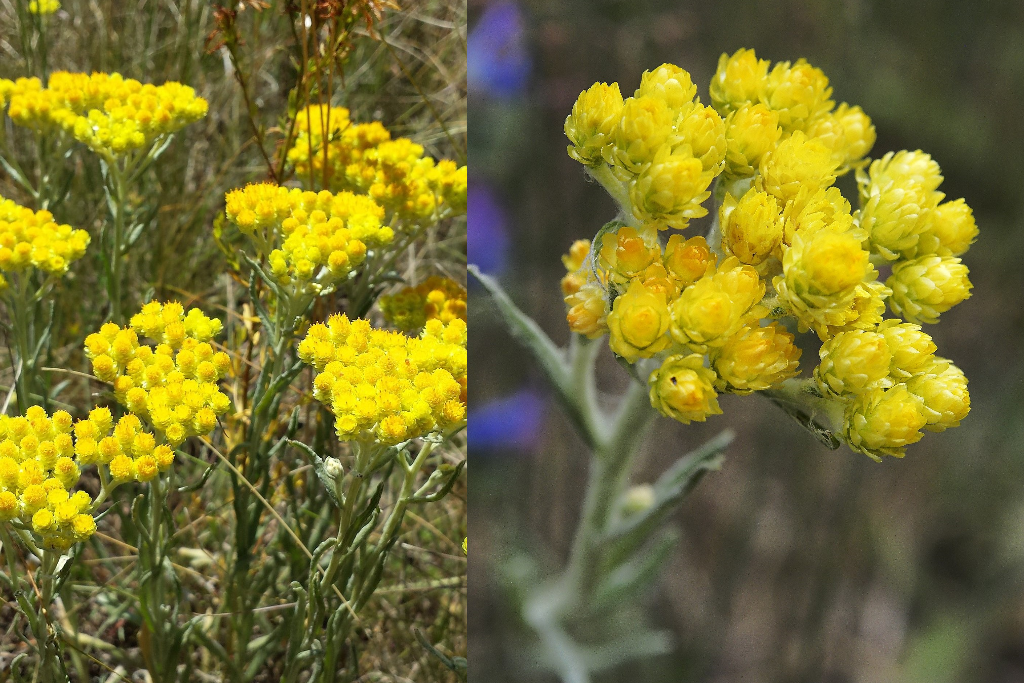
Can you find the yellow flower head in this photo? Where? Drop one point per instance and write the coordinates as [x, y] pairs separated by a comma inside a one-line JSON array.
[[308, 236], [638, 323], [683, 389], [912, 350], [701, 132], [943, 389], [741, 79], [925, 287], [645, 125], [593, 120], [756, 358], [823, 279], [573, 262], [751, 227], [796, 163], [885, 421], [750, 132], [587, 310], [32, 239], [820, 209], [386, 387], [624, 255], [688, 260], [848, 132], [799, 93], [949, 229], [669, 83], [670, 189], [852, 362], [896, 195]]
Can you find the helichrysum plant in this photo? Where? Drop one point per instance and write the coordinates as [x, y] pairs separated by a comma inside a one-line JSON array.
[[392, 399], [35, 254], [126, 123], [694, 316]]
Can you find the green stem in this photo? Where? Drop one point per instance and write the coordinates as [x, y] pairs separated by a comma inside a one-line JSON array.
[[822, 416], [114, 292], [616, 188], [35, 607], [608, 477], [21, 305]]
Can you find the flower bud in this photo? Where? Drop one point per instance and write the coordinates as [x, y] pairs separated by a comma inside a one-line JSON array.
[[638, 323], [943, 388], [646, 125], [637, 499], [714, 308], [750, 132], [702, 130], [912, 350], [690, 260], [896, 194], [884, 421], [593, 120], [756, 358], [741, 78], [823, 209], [668, 83], [949, 229], [858, 133], [925, 287], [683, 389], [586, 314], [624, 254], [797, 162], [799, 93], [577, 255], [751, 227], [828, 282], [670, 190], [852, 362]]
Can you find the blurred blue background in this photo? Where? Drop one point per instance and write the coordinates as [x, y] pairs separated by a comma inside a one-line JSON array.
[[798, 563]]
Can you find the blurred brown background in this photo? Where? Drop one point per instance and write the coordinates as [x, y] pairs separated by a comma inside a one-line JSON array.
[[798, 563]]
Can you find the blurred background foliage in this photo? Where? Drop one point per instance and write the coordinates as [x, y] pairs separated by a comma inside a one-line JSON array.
[[797, 563]]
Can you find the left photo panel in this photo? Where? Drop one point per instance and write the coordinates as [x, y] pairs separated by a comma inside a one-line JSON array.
[[233, 372]]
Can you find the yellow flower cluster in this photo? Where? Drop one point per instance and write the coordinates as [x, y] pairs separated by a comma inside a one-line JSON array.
[[785, 244], [111, 114], [364, 158], [662, 145], [127, 451], [384, 386], [38, 472], [908, 223], [437, 297], [892, 385], [173, 384], [308, 236], [43, 6], [33, 239]]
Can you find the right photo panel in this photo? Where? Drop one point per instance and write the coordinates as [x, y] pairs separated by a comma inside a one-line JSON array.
[[747, 388]]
